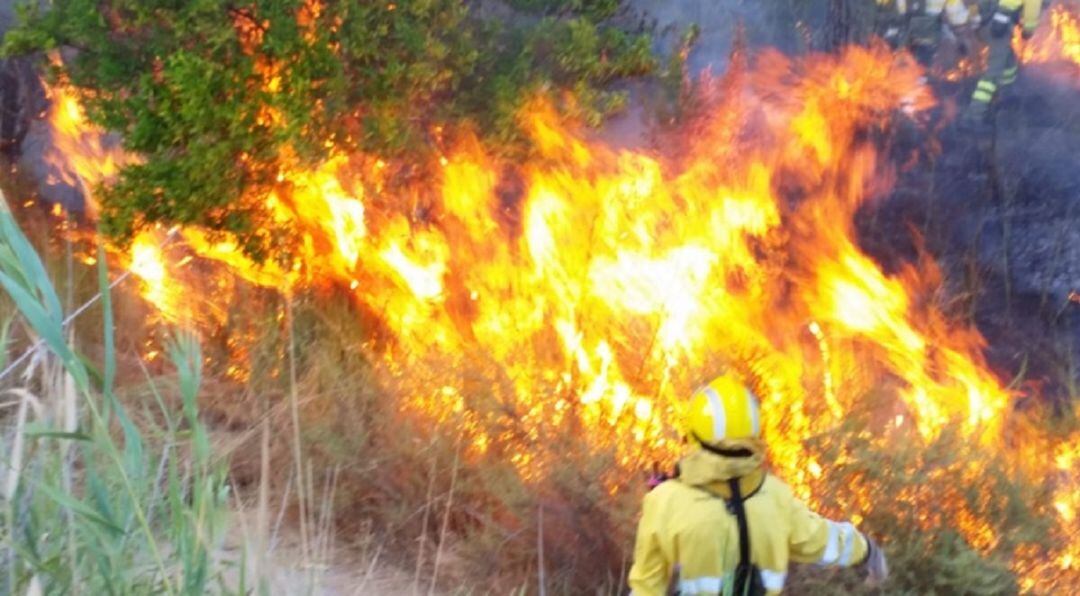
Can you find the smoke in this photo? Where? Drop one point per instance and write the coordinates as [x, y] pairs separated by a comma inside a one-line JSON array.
[[716, 26], [7, 15]]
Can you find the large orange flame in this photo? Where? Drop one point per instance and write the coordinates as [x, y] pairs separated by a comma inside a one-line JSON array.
[[603, 285], [1055, 46], [83, 157], [1056, 41]]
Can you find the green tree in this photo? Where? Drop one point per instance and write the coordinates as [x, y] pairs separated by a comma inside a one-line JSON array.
[[214, 95]]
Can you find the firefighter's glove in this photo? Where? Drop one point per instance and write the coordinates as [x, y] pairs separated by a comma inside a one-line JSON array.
[[877, 568]]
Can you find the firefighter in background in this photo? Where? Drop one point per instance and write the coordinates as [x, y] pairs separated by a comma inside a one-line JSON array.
[[917, 25], [1002, 65], [724, 524]]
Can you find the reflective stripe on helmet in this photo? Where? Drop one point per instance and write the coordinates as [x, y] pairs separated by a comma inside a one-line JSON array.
[[701, 585], [773, 581], [725, 409], [719, 418]]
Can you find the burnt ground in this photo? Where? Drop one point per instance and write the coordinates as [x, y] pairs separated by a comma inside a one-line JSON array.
[[999, 209]]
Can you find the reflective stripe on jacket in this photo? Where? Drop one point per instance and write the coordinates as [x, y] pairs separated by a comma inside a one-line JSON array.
[[685, 527]]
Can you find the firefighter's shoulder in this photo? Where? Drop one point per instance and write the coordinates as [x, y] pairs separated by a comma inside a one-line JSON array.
[[775, 486]]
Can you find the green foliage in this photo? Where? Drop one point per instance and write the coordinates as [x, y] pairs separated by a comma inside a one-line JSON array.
[[678, 99], [218, 99], [83, 508], [597, 9], [575, 55]]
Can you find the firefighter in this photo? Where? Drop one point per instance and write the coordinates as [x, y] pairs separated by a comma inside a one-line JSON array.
[[724, 524], [1001, 66], [916, 25]]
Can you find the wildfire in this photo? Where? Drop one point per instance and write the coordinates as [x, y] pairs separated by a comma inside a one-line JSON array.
[[1056, 41], [615, 281], [1056, 44]]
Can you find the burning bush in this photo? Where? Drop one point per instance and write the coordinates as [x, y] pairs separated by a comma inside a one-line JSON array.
[[218, 99], [953, 518]]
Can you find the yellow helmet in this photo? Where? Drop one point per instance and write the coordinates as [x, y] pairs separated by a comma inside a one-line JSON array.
[[723, 410]]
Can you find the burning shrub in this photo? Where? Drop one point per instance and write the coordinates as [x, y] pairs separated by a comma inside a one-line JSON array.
[[951, 518], [220, 100]]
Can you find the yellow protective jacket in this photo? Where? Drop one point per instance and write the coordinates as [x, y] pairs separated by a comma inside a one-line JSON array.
[[1029, 15], [687, 538]]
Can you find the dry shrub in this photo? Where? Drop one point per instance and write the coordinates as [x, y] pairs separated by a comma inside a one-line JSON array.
[[399, 469]]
